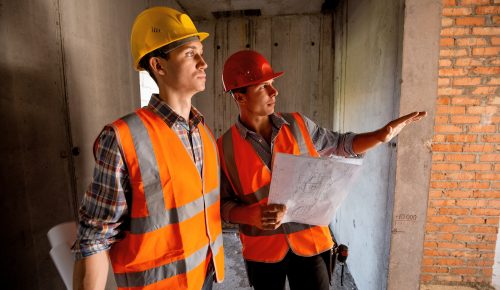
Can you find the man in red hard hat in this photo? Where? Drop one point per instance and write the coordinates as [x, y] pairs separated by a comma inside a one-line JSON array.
[[274, 251], [153, 206]]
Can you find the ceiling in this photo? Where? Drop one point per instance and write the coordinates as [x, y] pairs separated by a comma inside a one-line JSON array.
[[203, 10]]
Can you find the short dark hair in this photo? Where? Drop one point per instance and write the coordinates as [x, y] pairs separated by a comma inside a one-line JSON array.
[[144, 62], [242, 90]]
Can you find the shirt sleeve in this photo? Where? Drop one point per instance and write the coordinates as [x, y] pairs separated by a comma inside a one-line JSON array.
[[227, 197], [104, 206], [328, 142]]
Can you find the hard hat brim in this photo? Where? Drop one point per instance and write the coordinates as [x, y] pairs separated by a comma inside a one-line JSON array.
[[201, 35], [256, 82]]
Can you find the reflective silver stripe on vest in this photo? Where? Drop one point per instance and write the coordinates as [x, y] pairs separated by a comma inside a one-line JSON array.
[[148, 165], [172, 216], [227, 148], [297, 134], [154, 275], [286, 228]]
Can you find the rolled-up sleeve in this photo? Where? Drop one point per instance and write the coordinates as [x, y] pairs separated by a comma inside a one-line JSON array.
[[104, 206], [328, 142]]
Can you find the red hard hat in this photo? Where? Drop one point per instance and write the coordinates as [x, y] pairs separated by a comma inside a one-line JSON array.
[[246, 68]]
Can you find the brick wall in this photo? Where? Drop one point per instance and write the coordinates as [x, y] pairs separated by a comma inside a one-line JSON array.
[[464, 197]]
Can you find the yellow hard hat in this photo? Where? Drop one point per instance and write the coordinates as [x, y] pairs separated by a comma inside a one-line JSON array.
[[158, 26]]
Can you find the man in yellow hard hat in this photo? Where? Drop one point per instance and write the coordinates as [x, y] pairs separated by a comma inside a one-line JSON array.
[[274, 251], [152, 208]]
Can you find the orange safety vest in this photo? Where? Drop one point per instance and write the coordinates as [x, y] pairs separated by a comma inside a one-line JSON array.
[[174, 228], [250, 179]]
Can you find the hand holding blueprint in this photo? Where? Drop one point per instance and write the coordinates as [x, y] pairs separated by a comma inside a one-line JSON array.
[[311, 188]]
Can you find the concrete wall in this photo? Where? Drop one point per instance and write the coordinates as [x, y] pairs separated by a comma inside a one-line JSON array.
[[300, 45], [367, 41], [65, 71]]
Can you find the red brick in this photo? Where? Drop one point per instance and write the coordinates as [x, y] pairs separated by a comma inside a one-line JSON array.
[[430, 245], [461, 138], [482, 129], [438, 138], [437, 157], [447, 147], [435, 194], [470, 21], [446, 21], [465, 119], [495, 19], [436, 252], [448, 129], [452, 72], [440, 219], [453, 211], [441, 120], [474, 2], [446, 166], [447, 41], [450, 110], [443, 202], [453, 52], [466, 254], [457, 31], [487, 193], [443, 100], [447, 91], [445, 62], [481, 246], [439, 237], [459, 193], [476, 31], [487, 176], [449, 3], [478, 148], [485, 50], [494, 101], [460, 175], [480, 263], [494, 81], [477, 167], [449, 278], [486, 211], [431, 228], [491, 138], [443, 82], [474, 185], [484, 229], [457, 11], [463, 271], [437, 176], [485, 70], [489, 157], [461, 157], [484, 90], [482, 110], [445, 245], [452, 228], [435, 269], [471, 202], [466, 101], [494, 203], [466, 81], [492, 221], [472, 41], [426, 278], [487, 10], [471, 220], [468, 62]]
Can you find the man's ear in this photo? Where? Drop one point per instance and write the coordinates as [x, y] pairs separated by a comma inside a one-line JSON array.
[[155, 65], [239, 98]]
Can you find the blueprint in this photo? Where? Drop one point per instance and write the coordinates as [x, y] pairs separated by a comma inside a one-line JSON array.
[[311, 188]]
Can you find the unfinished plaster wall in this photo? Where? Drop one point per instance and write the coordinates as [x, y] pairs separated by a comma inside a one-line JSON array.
[[367, 41], [65, 71]]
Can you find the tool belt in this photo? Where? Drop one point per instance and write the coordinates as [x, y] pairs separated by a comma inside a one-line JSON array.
[[336, 254]]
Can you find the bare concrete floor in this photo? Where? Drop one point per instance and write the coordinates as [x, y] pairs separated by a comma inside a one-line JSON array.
[[236, 277]]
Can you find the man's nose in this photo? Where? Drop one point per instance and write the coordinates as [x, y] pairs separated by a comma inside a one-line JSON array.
[[201, 63]]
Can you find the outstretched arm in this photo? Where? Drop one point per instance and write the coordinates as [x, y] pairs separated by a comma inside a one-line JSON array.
[[366, 141]]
